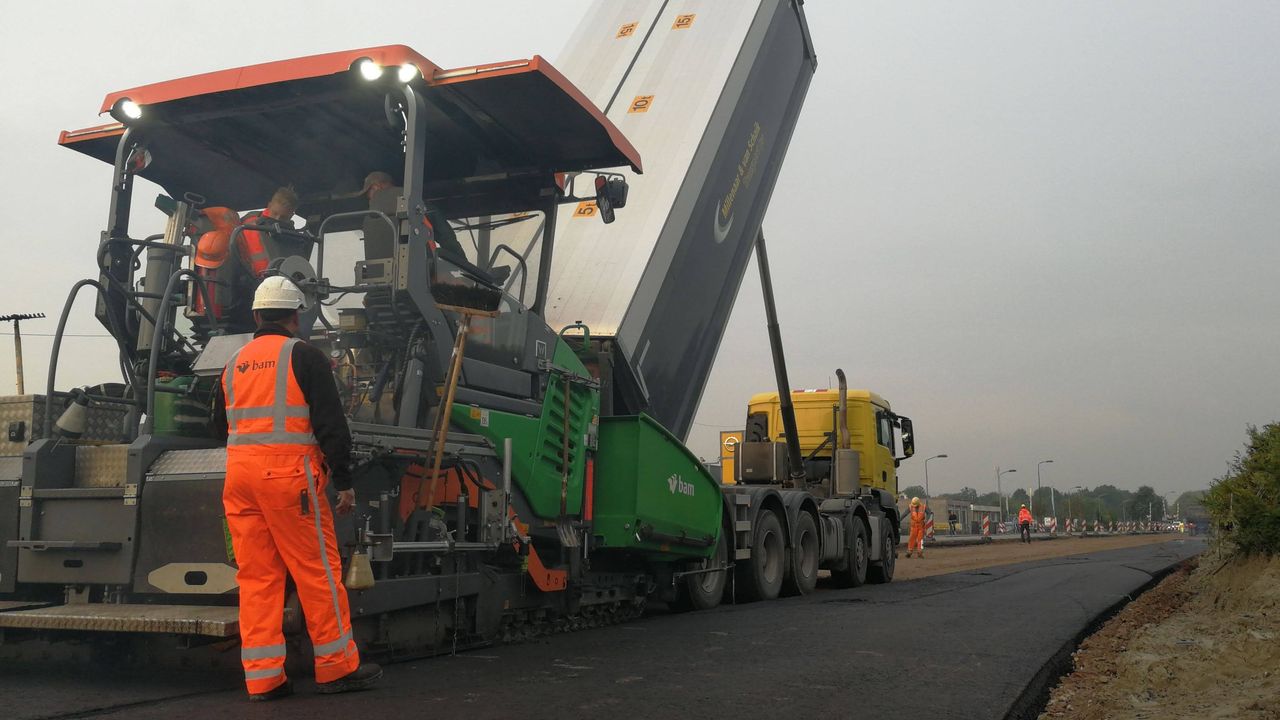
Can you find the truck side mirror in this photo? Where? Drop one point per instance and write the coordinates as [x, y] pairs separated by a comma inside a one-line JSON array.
[[611, 194], [908, 437]]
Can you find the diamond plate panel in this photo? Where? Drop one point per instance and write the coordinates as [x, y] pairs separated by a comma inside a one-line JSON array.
[[101, 466], [176, 619], [190, 462], [23, 416], [11, 468]]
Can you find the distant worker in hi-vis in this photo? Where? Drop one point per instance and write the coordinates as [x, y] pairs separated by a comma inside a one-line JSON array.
[[287, 438], [1024, 523], [915, 543]]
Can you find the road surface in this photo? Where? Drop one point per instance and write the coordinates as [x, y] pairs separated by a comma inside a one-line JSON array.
[[960, 645]]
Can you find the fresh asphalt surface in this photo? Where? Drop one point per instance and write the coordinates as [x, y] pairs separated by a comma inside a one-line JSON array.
[[963, 645]]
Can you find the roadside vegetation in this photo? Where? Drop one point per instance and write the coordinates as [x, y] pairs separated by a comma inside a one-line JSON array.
[[1245, 504]]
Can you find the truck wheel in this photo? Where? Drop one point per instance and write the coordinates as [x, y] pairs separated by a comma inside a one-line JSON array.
[[882, 572], [760, 577], [854, 573], [802, 574], [704, 590]]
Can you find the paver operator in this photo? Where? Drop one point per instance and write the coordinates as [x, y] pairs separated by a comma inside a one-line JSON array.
[[287, 437], [1024, 523], [916, 541]]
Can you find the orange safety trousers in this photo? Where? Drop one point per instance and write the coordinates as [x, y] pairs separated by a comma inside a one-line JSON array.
[[279, 519], [916, 541]]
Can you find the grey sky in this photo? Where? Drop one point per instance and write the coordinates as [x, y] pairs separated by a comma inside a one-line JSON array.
[[1043, 230]]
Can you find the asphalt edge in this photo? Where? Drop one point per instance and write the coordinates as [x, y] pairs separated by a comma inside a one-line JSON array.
[[1033, 699]]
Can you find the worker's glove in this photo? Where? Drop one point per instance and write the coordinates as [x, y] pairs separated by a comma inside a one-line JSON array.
[[346, 501]]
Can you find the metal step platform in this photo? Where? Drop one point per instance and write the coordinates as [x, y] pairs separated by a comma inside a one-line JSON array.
[[209, 620]]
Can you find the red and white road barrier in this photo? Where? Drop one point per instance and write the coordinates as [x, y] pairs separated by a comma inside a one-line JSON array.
[[1053, 526], [1113, 527], [1004, 528], [986, 526], [928, 527], [1097, 526]]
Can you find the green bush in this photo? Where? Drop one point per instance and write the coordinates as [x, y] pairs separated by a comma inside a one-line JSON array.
[[1245, 505]]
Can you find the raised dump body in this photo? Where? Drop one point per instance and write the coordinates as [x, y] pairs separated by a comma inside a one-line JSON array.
[[709, 93]]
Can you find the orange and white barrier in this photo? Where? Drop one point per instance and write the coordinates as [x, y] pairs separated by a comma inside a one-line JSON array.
[[986, 526], [928, 527], [1053, 526]]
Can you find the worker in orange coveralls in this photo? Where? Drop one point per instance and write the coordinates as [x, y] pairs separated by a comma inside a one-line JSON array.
[[916, 541], [286, 435]]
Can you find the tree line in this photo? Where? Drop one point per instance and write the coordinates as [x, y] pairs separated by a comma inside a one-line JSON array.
[[1105, 503]]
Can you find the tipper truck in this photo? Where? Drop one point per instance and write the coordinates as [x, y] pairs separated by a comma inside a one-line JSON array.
[[520, 464]]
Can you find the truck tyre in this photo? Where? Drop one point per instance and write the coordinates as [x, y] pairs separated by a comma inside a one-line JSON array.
[[802, 571], [760, 577], [882, 572], [854, 573], [704, 590]]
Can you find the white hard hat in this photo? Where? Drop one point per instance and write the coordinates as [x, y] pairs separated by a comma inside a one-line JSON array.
[[278, 293]]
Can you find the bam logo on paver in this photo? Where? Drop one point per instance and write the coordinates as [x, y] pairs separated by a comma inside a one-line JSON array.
[[676, 485]]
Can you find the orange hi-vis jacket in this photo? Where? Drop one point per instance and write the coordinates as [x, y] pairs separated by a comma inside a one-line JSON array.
[[280, 521], [267, 414], [212, 250], [1024, 516], [252, 251]]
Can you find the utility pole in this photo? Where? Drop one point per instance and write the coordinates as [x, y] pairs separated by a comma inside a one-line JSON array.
[[17, 341]]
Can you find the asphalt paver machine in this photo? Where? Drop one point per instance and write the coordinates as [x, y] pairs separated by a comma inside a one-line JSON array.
[[493, 497], [519, 376]]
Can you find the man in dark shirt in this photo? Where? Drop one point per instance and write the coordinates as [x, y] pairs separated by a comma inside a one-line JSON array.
[[379, 239]]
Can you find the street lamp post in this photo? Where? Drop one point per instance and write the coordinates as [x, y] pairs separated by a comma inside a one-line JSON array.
[[1072, 492], [926, 473], [1033, 499], [999, 491]]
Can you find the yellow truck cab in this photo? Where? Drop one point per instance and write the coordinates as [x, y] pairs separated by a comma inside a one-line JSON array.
[[871, 424]]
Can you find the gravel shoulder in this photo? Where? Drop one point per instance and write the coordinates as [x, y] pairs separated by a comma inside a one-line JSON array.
[[1204, 642]]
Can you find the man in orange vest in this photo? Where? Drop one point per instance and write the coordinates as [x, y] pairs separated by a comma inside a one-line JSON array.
[[287, 438], [1024, 523], [279, 212], [212, 252], [916, 540]]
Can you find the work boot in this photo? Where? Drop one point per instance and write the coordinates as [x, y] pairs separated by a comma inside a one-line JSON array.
[[359, 679], [284, 689]]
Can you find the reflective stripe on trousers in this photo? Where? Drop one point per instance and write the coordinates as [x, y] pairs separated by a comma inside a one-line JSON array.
[[274, 538], [333, 652]]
